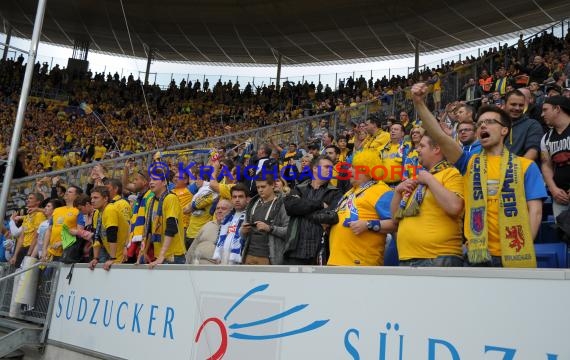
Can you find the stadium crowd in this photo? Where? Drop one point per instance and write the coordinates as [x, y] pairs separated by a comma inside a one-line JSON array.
[[461, 183]]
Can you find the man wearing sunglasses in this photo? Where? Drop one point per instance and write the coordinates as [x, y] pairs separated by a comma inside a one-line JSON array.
[[503, 192]]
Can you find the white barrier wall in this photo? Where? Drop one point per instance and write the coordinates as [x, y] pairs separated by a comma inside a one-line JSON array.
[[240, 313]]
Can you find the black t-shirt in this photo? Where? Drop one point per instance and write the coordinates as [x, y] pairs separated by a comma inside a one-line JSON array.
[[558, 147]]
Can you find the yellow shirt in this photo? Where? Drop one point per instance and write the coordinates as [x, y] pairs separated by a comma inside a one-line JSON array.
[[44, 160], [170, 208], [62, 215], [123, 207], [201, 214], [376, 142], [392, 160], [433, 232], [99, 152], [225, 191], [112, 217], [58, 162], [437, 84], [30, 226], [185, 198], [366, 249], [343, 155]]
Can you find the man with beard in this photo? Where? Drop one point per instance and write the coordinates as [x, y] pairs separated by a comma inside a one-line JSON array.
[[525, 134]]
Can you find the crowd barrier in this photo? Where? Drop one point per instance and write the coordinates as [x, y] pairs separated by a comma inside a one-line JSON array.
[[27, 293], [289, 312]]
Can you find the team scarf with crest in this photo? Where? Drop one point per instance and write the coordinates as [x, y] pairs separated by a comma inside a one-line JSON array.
[[517, 248], [410, 203], [348, 201]]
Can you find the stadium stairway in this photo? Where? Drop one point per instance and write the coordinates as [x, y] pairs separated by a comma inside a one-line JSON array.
[[15, 334]]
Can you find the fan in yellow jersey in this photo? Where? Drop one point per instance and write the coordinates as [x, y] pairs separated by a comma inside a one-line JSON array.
[[377, 138], [68, 215], [163, 225], [364, 218], [111, 230], [28, 236], [181, 181], [100, 151], [429, 210], [58, 162], [393, 155], [115, 188]]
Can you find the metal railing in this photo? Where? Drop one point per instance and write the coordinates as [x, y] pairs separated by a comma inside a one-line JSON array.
[[46, 288], [297, 131]]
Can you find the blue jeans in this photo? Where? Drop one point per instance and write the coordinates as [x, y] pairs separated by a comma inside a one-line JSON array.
[[440, 261]]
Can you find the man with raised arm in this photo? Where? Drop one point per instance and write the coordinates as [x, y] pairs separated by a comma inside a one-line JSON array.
[[503, 192], [429, 211]]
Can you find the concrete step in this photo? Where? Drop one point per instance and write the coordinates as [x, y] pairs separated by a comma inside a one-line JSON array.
[[15, 334]]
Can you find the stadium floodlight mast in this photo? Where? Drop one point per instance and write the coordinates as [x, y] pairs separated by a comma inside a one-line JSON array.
[[15, 143]]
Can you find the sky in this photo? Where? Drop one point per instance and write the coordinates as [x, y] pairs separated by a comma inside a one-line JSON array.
[[162, 72]]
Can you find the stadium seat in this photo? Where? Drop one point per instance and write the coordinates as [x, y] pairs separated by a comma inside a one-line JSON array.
[[547, 209], [554, 255], [391, 253], [547, 233]]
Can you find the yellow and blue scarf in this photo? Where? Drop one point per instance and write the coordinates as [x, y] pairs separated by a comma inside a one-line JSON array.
[[517, 248], [410, 203]]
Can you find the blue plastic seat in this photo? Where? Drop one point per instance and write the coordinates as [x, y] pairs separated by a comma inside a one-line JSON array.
[[553, 255]]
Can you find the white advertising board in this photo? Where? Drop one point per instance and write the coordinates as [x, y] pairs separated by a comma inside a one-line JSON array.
[[187, 312]]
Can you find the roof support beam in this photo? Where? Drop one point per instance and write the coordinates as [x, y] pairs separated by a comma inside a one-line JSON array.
[[543, 11], [417, 56], [278, 79], [467, 20], [8, 38], [148, 62], [503, 15]]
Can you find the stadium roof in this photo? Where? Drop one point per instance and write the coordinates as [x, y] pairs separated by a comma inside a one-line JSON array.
[[255, 31]]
